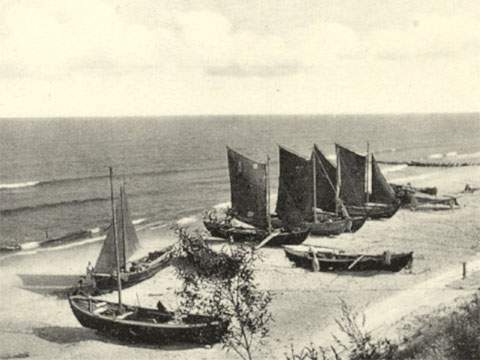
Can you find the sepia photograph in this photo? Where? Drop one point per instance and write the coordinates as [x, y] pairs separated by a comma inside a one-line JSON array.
[[240, 180]]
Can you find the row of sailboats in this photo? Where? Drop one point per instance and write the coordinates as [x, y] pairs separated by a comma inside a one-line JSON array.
[[313, 194]]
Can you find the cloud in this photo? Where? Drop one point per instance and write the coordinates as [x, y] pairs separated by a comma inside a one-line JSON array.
[[47, 38], [427, 36], [237, 70]]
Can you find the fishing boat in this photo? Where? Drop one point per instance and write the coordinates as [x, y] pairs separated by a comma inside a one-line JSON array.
[[329, 259], [306, 186], [131, 271], [139, 324], [430, 190], [145, 325], [362, 187], [250, 199], [416, 198]]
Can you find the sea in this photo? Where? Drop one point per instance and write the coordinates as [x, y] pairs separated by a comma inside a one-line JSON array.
[[54, 181]]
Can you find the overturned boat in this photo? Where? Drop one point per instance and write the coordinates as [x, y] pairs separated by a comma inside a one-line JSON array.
[[250, 199], [329, 259], [426, 198]]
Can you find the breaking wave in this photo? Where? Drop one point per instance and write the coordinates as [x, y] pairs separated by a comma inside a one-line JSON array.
[[13, 211], [394, 168], [20, 185], [187, 220], [12, 186]]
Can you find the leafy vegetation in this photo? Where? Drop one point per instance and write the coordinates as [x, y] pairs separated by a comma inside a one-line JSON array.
[[222, 284]]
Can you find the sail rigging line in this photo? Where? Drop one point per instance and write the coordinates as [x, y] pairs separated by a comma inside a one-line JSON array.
[[114, 221]]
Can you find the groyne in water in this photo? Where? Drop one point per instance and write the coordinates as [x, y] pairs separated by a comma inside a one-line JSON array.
[[431, 164]]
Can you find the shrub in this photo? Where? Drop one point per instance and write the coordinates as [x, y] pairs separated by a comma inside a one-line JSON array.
[[221, 284]]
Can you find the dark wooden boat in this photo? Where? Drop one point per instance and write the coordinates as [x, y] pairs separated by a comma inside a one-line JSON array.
[[335, 260], [362, 187], [132, 272], [402, 188], [416, 198], [374, 210], [250, 234], [250, 198], [336, 225], [306, 187], [144, 325]]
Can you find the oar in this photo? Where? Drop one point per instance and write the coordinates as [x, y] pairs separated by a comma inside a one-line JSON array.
[[355, 262], [267, 239]]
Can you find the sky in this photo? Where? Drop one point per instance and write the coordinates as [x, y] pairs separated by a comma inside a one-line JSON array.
[[150, 57]]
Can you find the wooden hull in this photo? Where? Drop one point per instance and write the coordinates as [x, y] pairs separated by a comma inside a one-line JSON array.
[[241, 234], [142, 325], [373, 210], [401, 189], [335, 226], [105, 283], [337, 261]]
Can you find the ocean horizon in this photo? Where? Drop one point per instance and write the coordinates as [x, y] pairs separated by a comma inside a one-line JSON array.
[[54, 171]]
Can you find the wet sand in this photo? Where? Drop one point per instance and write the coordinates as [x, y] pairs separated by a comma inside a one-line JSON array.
[[305, 303]]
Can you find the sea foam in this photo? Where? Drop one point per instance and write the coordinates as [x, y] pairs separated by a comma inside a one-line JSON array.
[[19, 185]]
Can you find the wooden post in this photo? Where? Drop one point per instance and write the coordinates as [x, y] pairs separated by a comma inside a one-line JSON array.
[[117, 255], [464, 270], [314, 170]]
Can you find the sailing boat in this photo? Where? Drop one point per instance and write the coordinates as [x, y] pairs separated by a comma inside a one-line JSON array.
[[134, 323], [308, 186], [131, 272], [362, 187], [250, 198]]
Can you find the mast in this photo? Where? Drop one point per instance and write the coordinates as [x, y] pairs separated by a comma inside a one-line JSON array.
[[117, 257], [367, 174], [124, 225], [339, 181], [314, 169], [267, 175]]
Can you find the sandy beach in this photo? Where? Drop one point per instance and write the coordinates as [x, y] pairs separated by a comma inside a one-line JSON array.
[[305, 303]]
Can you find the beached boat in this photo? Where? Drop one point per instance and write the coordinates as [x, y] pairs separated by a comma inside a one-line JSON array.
[[135, 323], [430, 190], [131, 271], [362, 187], [144, 325], [250, 199], [306, 186], [329, 259], [416, 198]]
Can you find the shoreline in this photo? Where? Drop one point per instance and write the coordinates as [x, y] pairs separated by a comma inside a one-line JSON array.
[[305, 304]]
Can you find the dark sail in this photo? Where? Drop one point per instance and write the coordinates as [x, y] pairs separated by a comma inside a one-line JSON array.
[[106, 262], [382, 192], [295, 185], [326, 181], [352, 176], [248, 185]]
